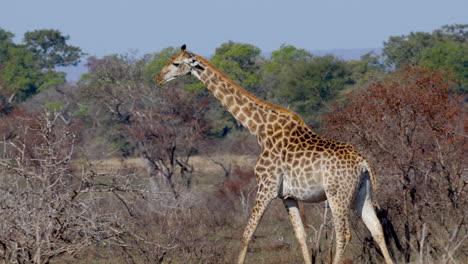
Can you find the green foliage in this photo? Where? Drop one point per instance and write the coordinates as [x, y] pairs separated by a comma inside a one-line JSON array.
[[406, 50], [298, 80], [449, 55], [17, 72], [240, 62], [6, 38], [444, 48], [51, 48], [366, 69], [20, 75], [286, 55], [82, 111], [318, 80], [51, 78], [21, 69]]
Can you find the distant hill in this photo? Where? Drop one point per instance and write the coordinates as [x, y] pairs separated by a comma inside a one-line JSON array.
[[74, 72]]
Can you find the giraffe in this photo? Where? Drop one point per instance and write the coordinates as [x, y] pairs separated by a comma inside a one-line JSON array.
[[295, 163]]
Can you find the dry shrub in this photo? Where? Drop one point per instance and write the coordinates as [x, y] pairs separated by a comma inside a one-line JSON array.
[[239, 189], [55, 207], [167, 136], [43, 217]]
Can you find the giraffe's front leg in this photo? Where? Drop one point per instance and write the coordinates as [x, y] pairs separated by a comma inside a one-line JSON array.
[[261, 203]]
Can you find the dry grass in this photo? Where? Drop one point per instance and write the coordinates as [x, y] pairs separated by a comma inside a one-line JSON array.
[[216, 224], [207, 174]]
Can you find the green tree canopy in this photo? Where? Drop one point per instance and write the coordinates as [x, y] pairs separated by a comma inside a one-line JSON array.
[[408, 49], [286, 55], [296, 79], [452, 56], [22, 71], [278, 68], [6, 37], [308, 84], [240, 62], [51, 48], [444, 49]]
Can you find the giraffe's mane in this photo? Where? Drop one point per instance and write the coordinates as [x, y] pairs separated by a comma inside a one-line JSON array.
[[249, 95]]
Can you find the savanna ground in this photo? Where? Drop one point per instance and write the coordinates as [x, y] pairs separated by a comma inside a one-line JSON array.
[[222, 218]]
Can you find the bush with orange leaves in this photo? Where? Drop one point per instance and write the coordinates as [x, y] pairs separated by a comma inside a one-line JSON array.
[[414, 132]]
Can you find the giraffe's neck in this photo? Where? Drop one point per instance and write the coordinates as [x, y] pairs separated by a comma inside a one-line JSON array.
[[253, 113]]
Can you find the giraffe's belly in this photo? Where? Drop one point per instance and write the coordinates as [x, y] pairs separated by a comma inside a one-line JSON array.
[[299, 188]]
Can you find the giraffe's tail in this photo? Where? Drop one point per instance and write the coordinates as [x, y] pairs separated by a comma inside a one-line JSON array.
[[382, 214], [368, 171]]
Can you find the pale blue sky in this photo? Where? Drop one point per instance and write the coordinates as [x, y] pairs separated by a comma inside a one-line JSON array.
[[103, 27]]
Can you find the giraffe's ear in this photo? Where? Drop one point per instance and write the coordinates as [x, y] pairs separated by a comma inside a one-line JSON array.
[[183, 47]]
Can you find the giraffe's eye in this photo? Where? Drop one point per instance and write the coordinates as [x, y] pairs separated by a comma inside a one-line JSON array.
[[176, 64]]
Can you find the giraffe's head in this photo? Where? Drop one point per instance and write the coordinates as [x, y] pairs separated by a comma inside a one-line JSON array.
[[184, 63]]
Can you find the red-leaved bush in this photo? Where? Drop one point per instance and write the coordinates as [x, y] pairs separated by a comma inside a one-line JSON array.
[[414, 132]]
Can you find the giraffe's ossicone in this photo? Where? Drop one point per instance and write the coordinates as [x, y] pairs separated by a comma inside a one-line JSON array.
[[295, 164]]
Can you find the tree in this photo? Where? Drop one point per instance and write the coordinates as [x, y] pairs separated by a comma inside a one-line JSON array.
[[121, 96], [167, 135], [449, 55], [23, 72], [240, 62], [296, 79], [44, 217], [366, 69], [20, 79], [414, 131], [17, 73], [51, 48], [112, 89], [407, 49], [305, 83], [286, 55], [6, 37], [278, 67]]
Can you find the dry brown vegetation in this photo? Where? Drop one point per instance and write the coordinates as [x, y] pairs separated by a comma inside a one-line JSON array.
[[183, 198], [415, 133]]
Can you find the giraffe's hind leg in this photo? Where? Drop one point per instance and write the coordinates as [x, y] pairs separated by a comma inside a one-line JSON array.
[[340, 207], [295, 217], [365, 209], [342, 231]]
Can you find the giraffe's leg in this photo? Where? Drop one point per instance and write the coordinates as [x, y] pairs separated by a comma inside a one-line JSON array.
[[340, 212], [261, 203], [295, 216], [365, 208]]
